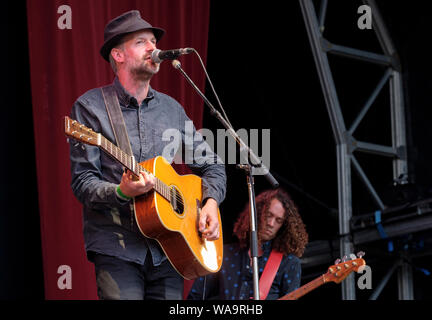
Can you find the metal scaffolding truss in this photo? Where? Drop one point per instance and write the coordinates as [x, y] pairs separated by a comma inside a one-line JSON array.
[[346, 144]]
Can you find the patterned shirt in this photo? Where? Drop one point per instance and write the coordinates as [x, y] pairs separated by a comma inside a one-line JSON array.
[[235, 279]]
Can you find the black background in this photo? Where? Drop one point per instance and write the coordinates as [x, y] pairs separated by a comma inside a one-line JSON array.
[[261, 64]]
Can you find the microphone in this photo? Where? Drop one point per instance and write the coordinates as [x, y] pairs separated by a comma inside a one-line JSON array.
[[159, 55]]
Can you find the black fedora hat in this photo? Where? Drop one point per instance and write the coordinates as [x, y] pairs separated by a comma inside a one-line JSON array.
[[128, 22]]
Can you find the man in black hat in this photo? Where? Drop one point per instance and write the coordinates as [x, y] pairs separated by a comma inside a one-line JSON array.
[[128, 265]]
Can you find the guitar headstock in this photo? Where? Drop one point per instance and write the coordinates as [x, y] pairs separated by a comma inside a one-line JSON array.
[[81, 133], [340, 271]]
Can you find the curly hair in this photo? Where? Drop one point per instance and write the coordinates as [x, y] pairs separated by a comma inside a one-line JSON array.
[[291, 237]]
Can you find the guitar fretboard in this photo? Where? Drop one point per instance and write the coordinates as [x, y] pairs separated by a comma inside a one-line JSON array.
[[130, 163]]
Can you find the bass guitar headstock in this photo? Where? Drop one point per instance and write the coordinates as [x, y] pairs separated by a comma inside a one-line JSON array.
[[342, 268]]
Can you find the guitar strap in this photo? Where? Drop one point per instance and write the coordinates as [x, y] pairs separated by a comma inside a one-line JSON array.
[[269, 273], [116, 118], [118, 126]]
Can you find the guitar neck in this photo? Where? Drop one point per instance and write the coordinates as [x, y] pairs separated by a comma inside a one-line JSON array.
[[126, 160], [308, 287], [129, 162]]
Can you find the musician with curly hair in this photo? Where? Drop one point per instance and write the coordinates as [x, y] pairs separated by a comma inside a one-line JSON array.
[[280, 230]]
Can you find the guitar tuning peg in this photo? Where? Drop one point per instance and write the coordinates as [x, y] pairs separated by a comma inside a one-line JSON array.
[[337, 261], [352, 256], [345, 258], [360, 254]]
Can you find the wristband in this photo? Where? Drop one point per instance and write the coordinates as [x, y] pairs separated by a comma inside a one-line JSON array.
[[121, 194]]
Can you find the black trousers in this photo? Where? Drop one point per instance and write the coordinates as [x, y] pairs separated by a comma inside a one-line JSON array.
[[122, 280]]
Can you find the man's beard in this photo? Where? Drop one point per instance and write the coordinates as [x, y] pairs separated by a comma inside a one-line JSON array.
[[144, 72], [264, 236]]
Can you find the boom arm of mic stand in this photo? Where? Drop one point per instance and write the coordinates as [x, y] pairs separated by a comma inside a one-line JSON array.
[[253, 158], [248, 169]]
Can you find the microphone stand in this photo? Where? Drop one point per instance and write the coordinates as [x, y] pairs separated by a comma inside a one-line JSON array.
[[250, 168]]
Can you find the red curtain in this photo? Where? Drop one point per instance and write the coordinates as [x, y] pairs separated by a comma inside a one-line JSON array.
[[64, 63]]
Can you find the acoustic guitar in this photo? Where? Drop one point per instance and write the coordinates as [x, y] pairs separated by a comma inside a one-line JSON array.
[[170, 212], [336, 273]]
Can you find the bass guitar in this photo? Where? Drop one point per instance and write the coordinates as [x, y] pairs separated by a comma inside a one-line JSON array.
[[336, 273]]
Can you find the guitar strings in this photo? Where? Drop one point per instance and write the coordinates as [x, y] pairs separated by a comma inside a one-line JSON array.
[[177, 197], [112, 146]]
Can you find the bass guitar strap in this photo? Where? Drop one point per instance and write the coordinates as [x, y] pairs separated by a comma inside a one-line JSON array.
[[269, 273]]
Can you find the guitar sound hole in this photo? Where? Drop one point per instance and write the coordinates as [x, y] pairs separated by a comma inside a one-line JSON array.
[[177, 203]]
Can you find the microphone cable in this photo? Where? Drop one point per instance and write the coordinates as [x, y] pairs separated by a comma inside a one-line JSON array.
[[212, 87]]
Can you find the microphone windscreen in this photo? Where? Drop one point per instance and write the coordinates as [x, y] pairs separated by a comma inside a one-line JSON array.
[[155, 56]]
